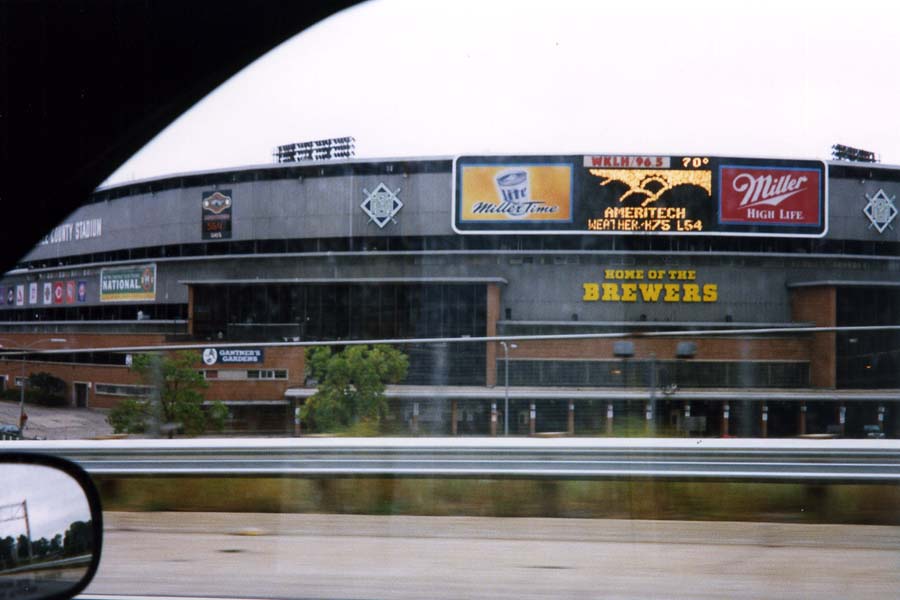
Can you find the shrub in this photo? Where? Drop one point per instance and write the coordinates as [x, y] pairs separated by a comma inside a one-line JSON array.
[[129, 416]]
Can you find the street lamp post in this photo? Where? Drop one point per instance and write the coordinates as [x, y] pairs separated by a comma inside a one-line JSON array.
[[22, 386], [651, 402], [506, 348]]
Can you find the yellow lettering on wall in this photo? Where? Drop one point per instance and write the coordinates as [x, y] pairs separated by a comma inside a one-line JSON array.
[[691, 292], [650, 291], [617, 291], [610, 292], [672, 294]]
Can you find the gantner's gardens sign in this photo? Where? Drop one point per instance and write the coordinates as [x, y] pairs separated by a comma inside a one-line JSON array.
[[650, 285]]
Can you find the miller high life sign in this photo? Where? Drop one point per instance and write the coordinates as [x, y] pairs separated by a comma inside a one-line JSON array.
[[771, 196]]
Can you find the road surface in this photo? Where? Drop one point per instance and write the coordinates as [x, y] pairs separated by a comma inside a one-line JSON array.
[[399, 557]]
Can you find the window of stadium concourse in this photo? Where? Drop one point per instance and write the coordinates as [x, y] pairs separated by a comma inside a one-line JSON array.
[[475, 243], [868, 359], [344, 312], [339, 312], [109, 312]]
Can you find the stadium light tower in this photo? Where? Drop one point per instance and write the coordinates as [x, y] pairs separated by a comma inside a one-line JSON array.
[[848, 153], [316, 150]]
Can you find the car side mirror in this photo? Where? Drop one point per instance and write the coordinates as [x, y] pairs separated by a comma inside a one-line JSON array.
[[51, 527]]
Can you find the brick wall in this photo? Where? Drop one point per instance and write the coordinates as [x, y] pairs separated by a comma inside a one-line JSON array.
[[759, 348], [290, 359], [80, 340], [818, 305], [275, 358], [493, 315], [76, 372]]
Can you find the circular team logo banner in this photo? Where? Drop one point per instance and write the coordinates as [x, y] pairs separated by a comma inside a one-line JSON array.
[[210, 356]]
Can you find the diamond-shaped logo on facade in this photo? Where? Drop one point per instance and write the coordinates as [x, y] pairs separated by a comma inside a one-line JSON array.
[[880, 210], [381, 205]]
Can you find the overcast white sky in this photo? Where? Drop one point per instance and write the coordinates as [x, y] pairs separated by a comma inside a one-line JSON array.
[[55, 500], [442, 77]]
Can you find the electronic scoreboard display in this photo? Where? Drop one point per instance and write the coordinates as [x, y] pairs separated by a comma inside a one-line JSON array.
[[629, 194]]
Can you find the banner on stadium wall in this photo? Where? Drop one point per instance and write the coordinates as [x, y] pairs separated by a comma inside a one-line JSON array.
[[651, 195], [128, 284], [215, 208]]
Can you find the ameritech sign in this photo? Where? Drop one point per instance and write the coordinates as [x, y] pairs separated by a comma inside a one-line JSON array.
[[127, 284], [225, 356], [636, 194]]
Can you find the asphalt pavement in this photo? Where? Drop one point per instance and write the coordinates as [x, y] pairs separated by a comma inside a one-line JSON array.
[[57, 423], [398, 557]]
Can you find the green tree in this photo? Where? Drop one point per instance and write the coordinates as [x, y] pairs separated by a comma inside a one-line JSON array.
[[79, 538], [129, 416], [351, 384], [179, 398], [40, 548], [7, 552], [46, 389], [22, 547]]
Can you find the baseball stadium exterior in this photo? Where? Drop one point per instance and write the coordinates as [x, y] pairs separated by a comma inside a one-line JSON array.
[[662, 294]]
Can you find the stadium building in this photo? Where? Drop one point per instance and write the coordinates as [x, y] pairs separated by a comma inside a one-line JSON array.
[[671, 295]]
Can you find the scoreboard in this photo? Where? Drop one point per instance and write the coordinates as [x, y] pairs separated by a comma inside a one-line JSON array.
[[636, 194]]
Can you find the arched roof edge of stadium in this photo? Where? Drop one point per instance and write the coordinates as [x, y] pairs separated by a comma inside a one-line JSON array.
[[415, 164]]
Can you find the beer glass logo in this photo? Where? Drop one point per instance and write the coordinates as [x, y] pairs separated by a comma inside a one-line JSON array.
[[513, 186]]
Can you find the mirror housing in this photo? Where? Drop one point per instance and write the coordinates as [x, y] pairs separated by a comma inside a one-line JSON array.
[[51, 527]]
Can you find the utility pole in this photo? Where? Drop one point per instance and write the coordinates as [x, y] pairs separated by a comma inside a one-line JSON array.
[[27, 528], [23, 508], [506, 348]]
